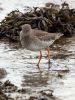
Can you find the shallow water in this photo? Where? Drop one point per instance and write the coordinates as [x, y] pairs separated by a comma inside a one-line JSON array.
[[20, 65]]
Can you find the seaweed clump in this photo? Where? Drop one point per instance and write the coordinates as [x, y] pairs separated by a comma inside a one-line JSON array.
[[49, 18]]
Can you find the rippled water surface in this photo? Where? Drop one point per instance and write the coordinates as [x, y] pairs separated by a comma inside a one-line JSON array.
[[23, 72]]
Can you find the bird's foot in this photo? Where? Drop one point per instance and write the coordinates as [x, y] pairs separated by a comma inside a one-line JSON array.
[[49, 64], [37, 56], [38, 65]]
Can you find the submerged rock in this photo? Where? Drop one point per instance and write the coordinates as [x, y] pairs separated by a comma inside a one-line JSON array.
[[24, 90], [32, 98], [47, 93], [9, 87], [3, 96], [3, 73]]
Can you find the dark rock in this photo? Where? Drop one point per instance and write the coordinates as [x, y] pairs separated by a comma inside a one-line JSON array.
[[3, 96], [3, 73], [21, 90], [9, 87], [47, 93], [43, 98], [24, 90], [32, 98]]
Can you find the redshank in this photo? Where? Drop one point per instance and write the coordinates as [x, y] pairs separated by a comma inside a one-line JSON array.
[[34, 39]]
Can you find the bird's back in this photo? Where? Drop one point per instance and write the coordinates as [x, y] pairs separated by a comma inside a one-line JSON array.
[[34, 39], [45, 36]]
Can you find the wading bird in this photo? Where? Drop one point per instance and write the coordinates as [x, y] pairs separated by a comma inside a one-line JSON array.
[[36, 40]]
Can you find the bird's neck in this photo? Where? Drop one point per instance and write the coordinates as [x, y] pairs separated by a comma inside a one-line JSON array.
[[28, 33]]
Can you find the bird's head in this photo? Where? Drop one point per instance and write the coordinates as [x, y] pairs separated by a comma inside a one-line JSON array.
[[26, 28]]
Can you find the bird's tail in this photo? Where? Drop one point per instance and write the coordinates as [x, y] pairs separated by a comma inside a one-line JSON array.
[[58, 35]]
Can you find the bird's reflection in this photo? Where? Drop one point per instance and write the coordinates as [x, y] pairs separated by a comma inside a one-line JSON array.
[[39, 78]]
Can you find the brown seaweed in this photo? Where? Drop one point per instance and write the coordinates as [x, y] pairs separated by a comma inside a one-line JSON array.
[[49, 18]]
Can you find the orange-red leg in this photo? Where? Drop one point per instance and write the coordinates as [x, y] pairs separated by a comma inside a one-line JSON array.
[[48, 50], [39, 58]]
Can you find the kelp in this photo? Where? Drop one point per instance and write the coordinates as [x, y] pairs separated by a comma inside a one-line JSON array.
[[49, 18]]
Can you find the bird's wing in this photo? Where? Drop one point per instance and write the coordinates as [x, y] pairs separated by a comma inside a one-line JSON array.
[[50, 37], [42, 43], [39, 32], [46, 38], [42, 35]]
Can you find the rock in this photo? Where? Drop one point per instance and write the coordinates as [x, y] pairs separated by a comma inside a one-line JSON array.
[[47, 93], [9, 87], [32, 98], [43, 98], [24, 90], [3, 96], [21, 90], [3, 73]]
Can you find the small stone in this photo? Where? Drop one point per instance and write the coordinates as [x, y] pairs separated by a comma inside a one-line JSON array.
[[47, 93], [3, 96], [2, 73], [32, 98], [22, 90], [9, 87]]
